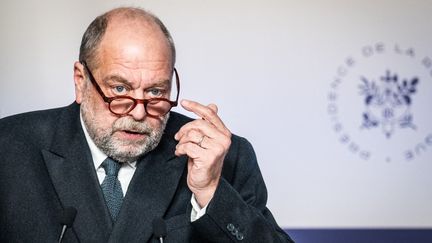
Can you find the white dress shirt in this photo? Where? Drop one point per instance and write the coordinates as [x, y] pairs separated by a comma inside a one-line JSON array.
[[126, 173]]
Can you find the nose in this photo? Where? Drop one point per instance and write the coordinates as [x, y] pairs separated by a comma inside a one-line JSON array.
[[138, 113]]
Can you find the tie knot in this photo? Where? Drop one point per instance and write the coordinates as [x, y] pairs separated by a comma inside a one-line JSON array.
[[111, 167]]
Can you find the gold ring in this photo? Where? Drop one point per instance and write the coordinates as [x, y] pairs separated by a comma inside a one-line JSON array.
[[201, 140]]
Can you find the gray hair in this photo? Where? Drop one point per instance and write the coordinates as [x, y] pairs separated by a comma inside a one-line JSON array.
[[96, 30]]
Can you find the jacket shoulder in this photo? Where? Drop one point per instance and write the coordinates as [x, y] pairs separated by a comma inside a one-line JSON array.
[[30, 127]]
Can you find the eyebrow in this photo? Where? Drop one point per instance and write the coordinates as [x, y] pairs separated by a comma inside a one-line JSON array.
[[120, 79], [117, 79]]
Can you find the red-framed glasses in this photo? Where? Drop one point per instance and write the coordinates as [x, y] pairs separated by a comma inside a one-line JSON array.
[[122, 104]]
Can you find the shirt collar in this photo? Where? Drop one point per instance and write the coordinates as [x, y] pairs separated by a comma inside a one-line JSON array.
[[97, 155]]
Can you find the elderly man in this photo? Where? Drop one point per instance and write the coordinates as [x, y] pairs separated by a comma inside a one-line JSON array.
[[117, 159]]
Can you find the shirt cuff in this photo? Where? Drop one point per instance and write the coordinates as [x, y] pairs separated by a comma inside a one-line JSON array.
[[197, 212]]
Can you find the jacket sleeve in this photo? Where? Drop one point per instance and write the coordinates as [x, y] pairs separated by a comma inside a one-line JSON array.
[[237, 211]]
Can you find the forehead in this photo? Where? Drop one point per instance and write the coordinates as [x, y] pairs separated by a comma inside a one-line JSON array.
[[134, 43]]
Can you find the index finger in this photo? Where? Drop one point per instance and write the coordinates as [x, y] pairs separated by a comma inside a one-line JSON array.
[[208, 113]]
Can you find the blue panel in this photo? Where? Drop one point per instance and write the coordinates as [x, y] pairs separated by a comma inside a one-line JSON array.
[[360, 235]]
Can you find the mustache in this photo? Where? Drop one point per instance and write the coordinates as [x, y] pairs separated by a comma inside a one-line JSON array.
[[129, 124]]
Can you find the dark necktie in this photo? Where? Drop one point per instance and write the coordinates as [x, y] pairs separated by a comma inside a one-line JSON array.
[[111, 187]]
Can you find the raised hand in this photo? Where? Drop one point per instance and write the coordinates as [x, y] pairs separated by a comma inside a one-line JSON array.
[[206, 142]]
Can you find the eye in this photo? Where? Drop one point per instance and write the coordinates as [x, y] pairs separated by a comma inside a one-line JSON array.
[[154, 92], [119, 90]]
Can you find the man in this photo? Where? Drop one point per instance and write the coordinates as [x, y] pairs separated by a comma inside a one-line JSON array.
[[120, 157]]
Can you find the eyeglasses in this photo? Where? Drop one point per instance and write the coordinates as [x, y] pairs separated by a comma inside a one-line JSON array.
[[122, 104]]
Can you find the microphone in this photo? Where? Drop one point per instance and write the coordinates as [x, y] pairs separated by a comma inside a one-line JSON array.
[[66, 220], [159, 229]]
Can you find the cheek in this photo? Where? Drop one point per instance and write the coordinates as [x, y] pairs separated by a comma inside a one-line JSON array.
[[104, 120], [154, 123], [99, 112]]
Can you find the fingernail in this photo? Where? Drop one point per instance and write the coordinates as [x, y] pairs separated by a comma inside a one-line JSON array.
[[176, 136]]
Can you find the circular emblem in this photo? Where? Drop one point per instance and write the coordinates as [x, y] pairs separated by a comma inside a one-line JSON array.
[[379, 103]]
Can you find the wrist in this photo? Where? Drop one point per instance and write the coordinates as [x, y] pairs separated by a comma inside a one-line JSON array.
[[204, 196]]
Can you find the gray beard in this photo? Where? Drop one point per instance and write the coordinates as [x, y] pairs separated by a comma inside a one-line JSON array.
[[123, 151]]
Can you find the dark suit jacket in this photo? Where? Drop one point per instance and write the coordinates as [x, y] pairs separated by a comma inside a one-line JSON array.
[[46, 165]]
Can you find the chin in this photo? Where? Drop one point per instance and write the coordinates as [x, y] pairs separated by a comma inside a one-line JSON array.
[[129, 153]]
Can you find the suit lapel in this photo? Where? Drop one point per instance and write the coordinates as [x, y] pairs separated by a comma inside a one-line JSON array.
[[73, 175], [150, 192], [71, 169]]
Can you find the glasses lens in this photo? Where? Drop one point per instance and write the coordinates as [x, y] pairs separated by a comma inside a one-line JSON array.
[[121, 105], [158, 107]]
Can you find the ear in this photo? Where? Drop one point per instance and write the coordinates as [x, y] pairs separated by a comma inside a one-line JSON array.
[[79, 80]]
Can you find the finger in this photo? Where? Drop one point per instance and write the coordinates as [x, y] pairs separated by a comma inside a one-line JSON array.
[[213, 107], [207, 113], [213, 146], [217, 145], [191, 136], [192, 150]]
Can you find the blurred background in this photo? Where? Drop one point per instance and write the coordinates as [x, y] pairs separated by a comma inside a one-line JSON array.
[[334, 95]]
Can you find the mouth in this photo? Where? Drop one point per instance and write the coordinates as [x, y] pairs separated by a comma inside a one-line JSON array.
[[132, 132], [132, 135]]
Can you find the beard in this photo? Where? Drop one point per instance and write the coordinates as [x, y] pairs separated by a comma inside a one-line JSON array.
[[119, 149]]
